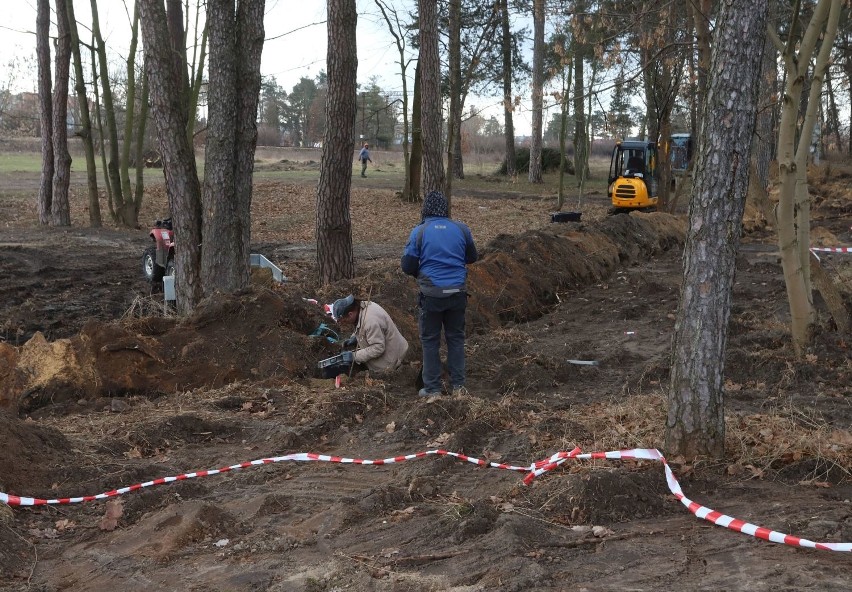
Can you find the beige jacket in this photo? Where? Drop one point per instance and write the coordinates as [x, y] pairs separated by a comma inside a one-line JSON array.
[[380, 344]]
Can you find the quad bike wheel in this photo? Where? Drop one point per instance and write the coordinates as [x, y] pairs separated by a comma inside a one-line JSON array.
[[170, 267], [152, 272]]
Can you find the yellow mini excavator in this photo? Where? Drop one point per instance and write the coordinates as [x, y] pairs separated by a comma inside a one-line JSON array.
[[633, 176]]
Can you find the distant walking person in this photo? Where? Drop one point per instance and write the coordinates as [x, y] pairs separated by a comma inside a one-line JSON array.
[[437, 253], [364, 157]]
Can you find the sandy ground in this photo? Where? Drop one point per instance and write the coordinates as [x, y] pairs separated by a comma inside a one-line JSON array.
[[117, 394]]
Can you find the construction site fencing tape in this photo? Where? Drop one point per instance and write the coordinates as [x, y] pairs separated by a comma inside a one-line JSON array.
[[532, 471], [831, 249]]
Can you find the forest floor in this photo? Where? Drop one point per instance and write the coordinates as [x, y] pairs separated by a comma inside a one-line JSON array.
[[104, 389]]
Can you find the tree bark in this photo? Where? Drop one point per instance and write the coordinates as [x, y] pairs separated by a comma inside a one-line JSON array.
[[399, 38], [218, 192], [581, 139], [695, 425], [236, 44], [130, 211], [174, 16], [430, 98], [139, 137], [508, 104], [793, 151], [182, 186], [197, 71], [60, 209], [335, 259], [85, 132], [45, 94], [701, 19], [250, 38], [416, 160], [765, 134], [537, 91], [454, 117]]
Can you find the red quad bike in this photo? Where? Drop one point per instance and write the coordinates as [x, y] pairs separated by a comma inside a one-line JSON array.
[[158, 260]]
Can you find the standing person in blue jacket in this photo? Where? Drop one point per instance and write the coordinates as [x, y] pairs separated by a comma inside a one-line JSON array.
[[437, 253], [364, 157]]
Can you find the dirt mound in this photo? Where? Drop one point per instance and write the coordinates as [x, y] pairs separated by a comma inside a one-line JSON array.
[[24, 446], [249, 335], [264, 333], [520, 276], [608, 496]]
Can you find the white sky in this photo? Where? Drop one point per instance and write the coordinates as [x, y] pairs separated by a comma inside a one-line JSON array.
[[299, 51]]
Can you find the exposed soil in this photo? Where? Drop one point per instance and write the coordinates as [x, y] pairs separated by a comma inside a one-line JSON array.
[[102, 390]]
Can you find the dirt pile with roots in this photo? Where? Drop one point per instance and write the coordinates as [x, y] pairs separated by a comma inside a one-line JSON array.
[[265, 332]]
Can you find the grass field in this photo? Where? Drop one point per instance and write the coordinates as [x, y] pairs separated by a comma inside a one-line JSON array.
[[20, 169]]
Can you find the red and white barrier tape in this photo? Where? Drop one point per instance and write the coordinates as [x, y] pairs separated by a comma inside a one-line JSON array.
[[534, 470], [831, 249]]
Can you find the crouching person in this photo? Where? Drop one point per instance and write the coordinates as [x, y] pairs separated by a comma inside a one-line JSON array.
[[380, 345]]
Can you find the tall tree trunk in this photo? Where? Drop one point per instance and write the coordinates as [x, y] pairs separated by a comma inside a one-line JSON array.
[[60, 209], [508, 104], [454, 117], [236, 44], [793, 150], [112, 127], [765, 134], [580, 136], [182, 186], [139, 137], [45, 94], [199, 54], [100, 121], [581, 139], [833, 115], [335, 259], [701, 21], [416, 160], [567, 77], [696, 423], [250, 38], [85, 132], [430, 98], [399, 37], [130, 212], [537, 91], [218, 205], [174, 15]]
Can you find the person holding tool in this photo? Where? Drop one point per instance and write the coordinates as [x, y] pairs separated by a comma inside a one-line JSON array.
[[381, 348]]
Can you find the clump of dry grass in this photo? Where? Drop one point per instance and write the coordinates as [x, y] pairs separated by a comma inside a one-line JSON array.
[[761, 443], [757, 445], [148, 306]]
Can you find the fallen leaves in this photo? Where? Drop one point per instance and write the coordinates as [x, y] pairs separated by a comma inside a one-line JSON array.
[[439, 441]]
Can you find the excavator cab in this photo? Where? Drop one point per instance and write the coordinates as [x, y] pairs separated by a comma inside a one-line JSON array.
[[633, 176]]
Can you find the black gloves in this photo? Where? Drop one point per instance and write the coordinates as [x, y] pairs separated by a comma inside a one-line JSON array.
[[352, 341]]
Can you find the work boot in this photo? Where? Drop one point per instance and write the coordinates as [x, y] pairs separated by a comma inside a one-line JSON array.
[[424, 392], [460, 391]]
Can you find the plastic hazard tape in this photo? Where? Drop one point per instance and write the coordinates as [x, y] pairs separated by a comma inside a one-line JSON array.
[[831, 249], [534, 470], [700, 511]]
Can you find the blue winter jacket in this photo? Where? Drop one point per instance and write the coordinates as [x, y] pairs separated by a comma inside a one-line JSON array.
[[436, 254]]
